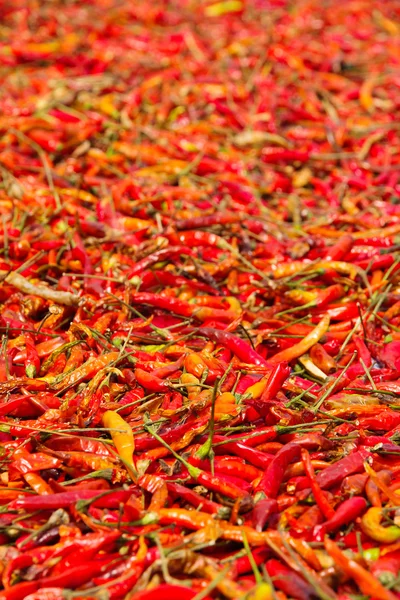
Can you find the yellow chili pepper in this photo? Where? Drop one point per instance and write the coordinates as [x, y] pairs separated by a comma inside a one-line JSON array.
[[255, 391], [263, 591], [122, 436], [192, 385], [302, 347], [371, 525]]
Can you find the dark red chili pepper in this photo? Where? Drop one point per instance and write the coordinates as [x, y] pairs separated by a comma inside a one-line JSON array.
[[262, 512], [288, 581], [335, 473]]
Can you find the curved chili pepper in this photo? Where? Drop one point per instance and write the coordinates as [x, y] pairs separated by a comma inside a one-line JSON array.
[[301, 348], [371, 526], [122, 436], [271, 480], [347, 512], [239, 347]]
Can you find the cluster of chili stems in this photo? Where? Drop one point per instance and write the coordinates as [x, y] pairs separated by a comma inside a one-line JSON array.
[[200, 300]]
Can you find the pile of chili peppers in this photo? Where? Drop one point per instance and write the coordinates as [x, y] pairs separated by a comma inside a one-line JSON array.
[[200, 299]]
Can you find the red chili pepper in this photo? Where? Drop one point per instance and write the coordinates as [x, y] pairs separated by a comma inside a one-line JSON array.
[[159, 256], [276, 155], [221, 218], [347, 512], [340, 249], [353, 463], [190, 496], [319, 496], [197, 238], [271, 480], [164, 303], [150, 382], [237, 346], [252, 455], [288, 581], [67, 499]]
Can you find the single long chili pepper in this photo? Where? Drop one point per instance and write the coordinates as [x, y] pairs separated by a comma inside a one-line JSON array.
[[276, 155], [347, 512], [353, 463], [151, 382], [276, 379], [340, 248], [239, 347], [258, 436], [271, 480], [20, 591], [322, 359], [219, 218], [227, 466], [158, 256], [379, 262], [158, 278], [302, 347], [367, 583], [321, 500], [252, 455], [197, 238], [198, 520], [193, 498], [169, 369], [170, 434], [173, 305], [318, 298], [75, 576], [67, 499], [122, 436]]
